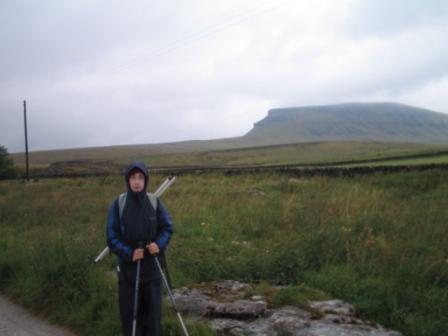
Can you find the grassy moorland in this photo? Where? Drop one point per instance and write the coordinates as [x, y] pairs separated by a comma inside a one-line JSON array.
[[316, 153], [403, 161], [97, 161], [377, 241]]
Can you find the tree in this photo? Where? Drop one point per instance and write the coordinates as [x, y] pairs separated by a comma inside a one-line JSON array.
[[7, 169]]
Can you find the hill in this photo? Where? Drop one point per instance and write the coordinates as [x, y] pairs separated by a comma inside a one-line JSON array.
[[388, 122], [363, 123]]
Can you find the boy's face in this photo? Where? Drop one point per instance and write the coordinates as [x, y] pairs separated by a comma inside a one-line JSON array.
[[137, 181]]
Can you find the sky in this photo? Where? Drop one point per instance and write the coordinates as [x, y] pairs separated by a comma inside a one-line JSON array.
[[103, 73]]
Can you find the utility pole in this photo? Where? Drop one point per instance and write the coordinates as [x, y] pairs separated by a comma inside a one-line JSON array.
[[26, 142]]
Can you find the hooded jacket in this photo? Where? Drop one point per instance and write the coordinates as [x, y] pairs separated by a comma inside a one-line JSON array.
[[140, 222]]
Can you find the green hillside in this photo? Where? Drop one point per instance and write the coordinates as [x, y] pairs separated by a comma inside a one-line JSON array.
[[299, 135], [316, 153], [302, 154], [352, 122]]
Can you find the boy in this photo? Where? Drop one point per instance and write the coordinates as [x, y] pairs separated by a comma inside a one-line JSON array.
[[139, 223]]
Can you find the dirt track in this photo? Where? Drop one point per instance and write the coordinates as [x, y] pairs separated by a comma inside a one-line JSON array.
[[16, 321]]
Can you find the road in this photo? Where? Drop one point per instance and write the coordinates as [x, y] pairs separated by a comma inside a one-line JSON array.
[[16, 321]]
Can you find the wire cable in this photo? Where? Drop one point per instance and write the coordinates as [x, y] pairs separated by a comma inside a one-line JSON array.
[[236, 19]]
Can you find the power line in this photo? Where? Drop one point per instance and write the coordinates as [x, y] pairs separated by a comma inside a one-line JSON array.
[[236, 19]]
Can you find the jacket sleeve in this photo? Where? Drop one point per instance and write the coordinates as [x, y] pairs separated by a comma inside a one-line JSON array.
[[114, 237], [165, 226]]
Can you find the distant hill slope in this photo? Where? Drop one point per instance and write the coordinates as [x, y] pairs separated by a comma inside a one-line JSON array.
[[352, 122]]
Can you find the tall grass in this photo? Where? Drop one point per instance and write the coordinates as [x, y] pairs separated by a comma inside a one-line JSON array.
[[377, 241]]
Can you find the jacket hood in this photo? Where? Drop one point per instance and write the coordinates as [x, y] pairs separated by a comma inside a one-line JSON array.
[[139, 166]]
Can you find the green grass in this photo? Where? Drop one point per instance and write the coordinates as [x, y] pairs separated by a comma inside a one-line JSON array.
[[377, 241], [297, 154], [327, 154], [436, 159]]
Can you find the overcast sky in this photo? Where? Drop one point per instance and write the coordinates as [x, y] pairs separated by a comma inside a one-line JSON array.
[[100, 73]]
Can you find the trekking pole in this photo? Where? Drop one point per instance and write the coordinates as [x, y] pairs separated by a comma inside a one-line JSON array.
[[169, 181], [101, 255], [137, 285], [170, 294], [163, 187]]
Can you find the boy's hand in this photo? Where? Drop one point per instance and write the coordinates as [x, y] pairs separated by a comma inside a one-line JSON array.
[[153, 248], [138, 254]]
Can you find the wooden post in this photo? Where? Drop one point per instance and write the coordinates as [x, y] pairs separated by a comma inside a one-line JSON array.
[[26, 142]]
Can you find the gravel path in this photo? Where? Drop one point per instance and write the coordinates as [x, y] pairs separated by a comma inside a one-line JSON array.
[[16, 321]]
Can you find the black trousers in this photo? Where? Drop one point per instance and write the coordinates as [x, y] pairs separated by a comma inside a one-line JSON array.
[[149, 306]]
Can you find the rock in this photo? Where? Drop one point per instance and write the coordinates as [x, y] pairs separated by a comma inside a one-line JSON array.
[[230, 285], [241, 309], [290, 311], [333, 307], [230, 315], [286, 321], [288, 326], [228, 291], [282, 322], [228, 326], [193, 302], [259, 327], [329, 329], [340, 319], [256, 298]]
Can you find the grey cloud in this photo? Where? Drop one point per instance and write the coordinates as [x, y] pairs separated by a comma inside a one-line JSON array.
[[382, 17], [46, 37]]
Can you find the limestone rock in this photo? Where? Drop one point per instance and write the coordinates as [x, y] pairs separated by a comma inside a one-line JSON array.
[[229, 314], [241, 309], [340, 319], [329, 329], [333, 307], [193, 301], [228, 327], [231, 285], [286, 321]]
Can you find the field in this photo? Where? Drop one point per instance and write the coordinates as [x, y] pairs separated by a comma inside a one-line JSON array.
[[329, 154], [305, 154], [422, 160], [378, 241]]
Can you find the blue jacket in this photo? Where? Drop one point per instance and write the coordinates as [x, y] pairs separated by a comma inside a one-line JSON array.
[[159, 218]]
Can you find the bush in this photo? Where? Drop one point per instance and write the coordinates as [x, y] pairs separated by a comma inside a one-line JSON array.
[[7, 169]]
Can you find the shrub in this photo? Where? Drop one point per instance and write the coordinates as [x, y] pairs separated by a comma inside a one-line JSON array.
[[7, 169]]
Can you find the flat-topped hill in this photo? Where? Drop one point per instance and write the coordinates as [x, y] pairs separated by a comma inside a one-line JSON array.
[[352, 122]]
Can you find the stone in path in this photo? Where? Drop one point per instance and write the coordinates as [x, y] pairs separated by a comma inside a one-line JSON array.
[[16, 321]]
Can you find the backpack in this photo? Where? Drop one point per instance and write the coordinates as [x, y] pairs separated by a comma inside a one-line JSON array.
[[122, 202]]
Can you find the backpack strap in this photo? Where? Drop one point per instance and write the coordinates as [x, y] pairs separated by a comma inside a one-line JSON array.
[[153, 200], [122, 202]]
